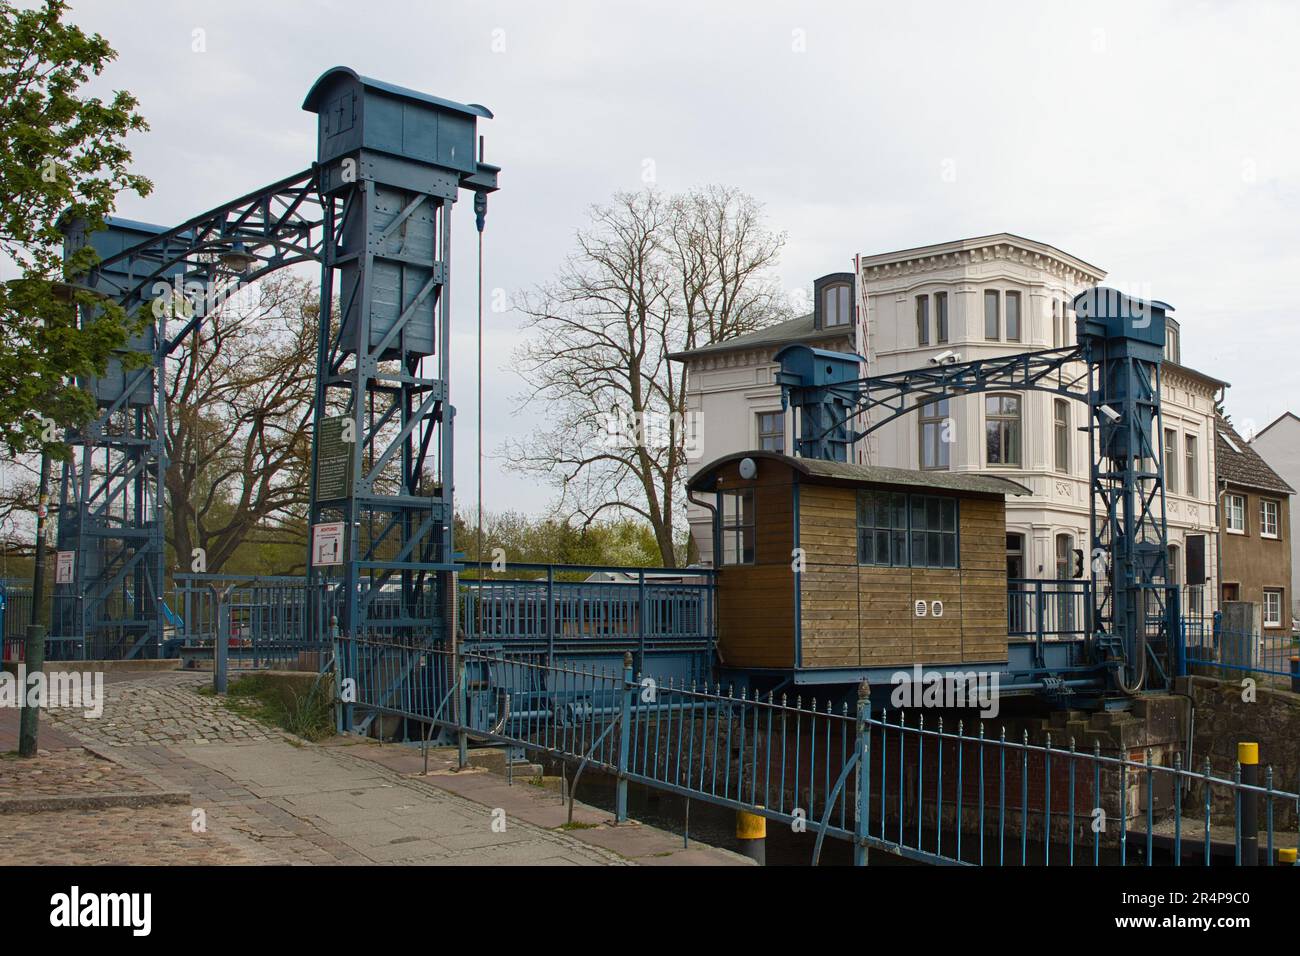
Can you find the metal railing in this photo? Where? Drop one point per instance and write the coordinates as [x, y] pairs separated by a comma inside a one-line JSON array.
[[1231, 651], [1046, 609], [263, 620], [15, 615], [908, 786], [543, 605]]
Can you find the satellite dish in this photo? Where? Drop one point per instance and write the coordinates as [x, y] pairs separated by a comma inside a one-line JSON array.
[[748, 468]]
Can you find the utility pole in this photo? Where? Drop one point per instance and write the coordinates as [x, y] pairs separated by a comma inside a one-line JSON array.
[[34, 656]]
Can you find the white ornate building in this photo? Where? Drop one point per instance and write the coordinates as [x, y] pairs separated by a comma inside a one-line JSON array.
[[985, 297]]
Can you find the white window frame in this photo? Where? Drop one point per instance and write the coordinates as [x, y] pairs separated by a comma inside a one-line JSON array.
[[1275, 619], [1264, 505], [1234, 505]]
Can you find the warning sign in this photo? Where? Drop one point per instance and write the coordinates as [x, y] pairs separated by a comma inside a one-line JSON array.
[[64, 564], [327, 544]]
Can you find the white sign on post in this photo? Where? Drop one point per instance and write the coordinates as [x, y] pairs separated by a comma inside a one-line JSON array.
[[64, 565], [327, 544]]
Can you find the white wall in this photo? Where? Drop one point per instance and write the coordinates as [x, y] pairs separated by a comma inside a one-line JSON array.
[[1279, 446]]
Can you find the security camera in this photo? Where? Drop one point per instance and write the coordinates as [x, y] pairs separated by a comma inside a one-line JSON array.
[[946, 357], [1110, 413]]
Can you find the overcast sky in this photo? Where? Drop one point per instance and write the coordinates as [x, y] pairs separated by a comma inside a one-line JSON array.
[[1159, 141]]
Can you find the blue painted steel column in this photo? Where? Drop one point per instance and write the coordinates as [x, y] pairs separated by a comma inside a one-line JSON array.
[[624, 739], [462, 719], [864, 774], [221, 642]]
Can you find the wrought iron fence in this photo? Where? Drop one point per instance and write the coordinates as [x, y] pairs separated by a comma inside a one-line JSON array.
[[15, 615], [904, 785]]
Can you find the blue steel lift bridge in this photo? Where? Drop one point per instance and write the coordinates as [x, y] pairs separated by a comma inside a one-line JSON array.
[[374, 209], [1131, 632]]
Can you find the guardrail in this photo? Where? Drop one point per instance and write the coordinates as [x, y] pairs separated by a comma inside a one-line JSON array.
[[903, 785], [1046, 609]]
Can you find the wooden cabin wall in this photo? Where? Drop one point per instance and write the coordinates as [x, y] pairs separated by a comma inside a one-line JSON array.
[[863, 616], [756, 601]]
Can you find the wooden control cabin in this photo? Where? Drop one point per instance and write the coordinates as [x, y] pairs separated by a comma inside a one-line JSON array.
[[899, 567]]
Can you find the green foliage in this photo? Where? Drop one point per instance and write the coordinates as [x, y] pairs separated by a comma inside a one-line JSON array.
[[308, 714], [625, 542], [62, 158]]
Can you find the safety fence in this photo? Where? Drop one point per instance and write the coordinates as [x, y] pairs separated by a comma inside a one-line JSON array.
[[15, 615], [1047, 609], [899, 783], [268, 621], [1229, 651]]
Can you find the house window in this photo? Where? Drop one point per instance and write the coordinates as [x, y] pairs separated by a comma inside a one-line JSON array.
[[1171, 461], [1272, 607], [1189, 472], [1235, 513], [936, 434], [1062, 434], [1064, 556], [1171, 574], [1056, 327], [771, 431], [1171, 344], [1013, 316], [1267, 518], [1002, 429], [897, 530], [992, 326], [738, 526], [882, 528], [922, 320], [941, 317], [835, 305]]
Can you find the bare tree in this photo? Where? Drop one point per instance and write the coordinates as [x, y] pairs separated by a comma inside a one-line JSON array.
[[652, 275], [239, 397]]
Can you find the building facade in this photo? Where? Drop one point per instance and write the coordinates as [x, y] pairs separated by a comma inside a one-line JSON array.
[[1279, 445], [1255, 533], [970, 299]]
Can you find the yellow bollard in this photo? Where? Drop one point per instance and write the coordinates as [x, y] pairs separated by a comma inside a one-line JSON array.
[[1286, 855], [751, 832], [1248, 758]]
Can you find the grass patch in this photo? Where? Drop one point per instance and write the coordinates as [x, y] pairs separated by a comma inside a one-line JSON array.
[[578, 825], [308, 714]]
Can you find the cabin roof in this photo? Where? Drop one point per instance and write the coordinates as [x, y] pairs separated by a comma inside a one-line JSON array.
[[846, 473]]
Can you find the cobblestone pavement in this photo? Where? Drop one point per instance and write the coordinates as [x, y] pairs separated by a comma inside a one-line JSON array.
[[135, 835], [66, 773], [158, 709], [260, 796]]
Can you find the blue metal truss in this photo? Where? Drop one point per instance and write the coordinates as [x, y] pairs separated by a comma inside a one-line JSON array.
[[1115, 370], [374, 210]]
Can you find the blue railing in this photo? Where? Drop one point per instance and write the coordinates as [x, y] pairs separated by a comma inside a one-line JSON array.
[[544, 605], [1046, 609], [262, 619], [910, 787]]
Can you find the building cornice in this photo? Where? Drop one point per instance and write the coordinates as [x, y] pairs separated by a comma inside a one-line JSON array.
[[965, 253]]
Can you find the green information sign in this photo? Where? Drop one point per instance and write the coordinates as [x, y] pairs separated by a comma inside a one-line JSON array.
[[334, 460]]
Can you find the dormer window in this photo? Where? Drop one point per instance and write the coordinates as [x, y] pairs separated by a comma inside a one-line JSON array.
[[833, 295], [835, 305]]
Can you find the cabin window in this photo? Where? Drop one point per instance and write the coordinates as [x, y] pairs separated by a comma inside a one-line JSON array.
[[771, 432], [738, 526], [882, 528], [897, 530], [934, 532], [1002, 429], [936, 434]]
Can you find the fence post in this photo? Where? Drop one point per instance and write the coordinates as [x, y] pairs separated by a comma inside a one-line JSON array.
[[1040, 606], [550, 615], [462, 718], [863, 744], [344, 713], [624, 739], [644, 622], [221, 641], [1248, 758], [29, 718]]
